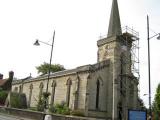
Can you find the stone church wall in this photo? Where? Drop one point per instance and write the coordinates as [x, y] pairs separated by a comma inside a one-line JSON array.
[[98, 103], [77, 87], [32, 93], [82, 91]]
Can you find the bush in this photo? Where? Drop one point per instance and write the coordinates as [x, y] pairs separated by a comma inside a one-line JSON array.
[[23, 100], [41, 104], [46, 95], [18, 100], [43, 101], [52, 109], [60, 109], [3, 96]]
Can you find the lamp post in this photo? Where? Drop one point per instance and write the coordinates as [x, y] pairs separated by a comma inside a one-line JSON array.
[[149, 75], [37, 43]]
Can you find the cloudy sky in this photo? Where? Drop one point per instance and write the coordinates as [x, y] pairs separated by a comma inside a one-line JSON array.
[[78, 25]]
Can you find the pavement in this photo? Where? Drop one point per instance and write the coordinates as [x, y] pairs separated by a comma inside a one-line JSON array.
[[11, 117]]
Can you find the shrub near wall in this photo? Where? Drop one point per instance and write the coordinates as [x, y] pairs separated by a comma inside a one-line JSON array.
[[18, 100], [61, 108], [3, 96]]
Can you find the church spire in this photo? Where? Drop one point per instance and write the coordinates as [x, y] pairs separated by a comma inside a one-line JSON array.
[[114, 24]]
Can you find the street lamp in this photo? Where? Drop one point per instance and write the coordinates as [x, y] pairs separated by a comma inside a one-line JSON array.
[[37, 43], [149, 75]]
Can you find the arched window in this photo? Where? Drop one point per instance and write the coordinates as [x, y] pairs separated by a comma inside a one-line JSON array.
[[69, 83], [41, 89], [99, 83], [30, 94], [53, 92], [97, 94], [20, 89]]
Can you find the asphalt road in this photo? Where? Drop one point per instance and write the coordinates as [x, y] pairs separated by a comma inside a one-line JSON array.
[[10, 117]]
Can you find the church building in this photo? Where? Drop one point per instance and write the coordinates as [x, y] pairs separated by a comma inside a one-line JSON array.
[[106, 89]]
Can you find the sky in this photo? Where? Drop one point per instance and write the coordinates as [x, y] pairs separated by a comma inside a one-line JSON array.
[[78, 24]]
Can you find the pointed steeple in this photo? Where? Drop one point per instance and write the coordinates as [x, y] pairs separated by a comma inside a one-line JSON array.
[[114, 24]]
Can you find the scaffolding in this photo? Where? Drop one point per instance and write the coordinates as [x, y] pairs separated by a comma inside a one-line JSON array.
[[131, 38], [129, 66]]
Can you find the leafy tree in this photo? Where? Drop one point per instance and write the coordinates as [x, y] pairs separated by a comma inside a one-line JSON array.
[[156, 104], [43, 68], [41, 104], [43, 101], [143, 107]]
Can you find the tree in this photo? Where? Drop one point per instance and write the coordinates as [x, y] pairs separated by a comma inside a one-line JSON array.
[[43, 68], [156, 103]]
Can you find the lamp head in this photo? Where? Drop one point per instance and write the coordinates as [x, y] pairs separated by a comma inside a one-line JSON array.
[[158, 36], [36, 43]]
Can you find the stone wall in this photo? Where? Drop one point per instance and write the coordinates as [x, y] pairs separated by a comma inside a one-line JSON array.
[[106, 48], [103, 77], [39, 115], [78, 84], [76, 87]]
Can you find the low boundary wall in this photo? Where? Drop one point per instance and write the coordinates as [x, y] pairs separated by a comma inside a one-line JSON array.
[[39, 115]]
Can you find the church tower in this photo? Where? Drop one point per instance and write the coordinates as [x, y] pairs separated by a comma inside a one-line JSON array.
[[117, 47], [107, 46]]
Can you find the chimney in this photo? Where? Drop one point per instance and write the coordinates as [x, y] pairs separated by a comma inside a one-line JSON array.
[[1, 76], [11, 74]]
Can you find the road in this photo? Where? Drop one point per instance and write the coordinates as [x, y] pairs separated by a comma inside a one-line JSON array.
[[10, 117]]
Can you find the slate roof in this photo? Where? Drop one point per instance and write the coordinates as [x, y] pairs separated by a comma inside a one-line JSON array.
[[80, 69]]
